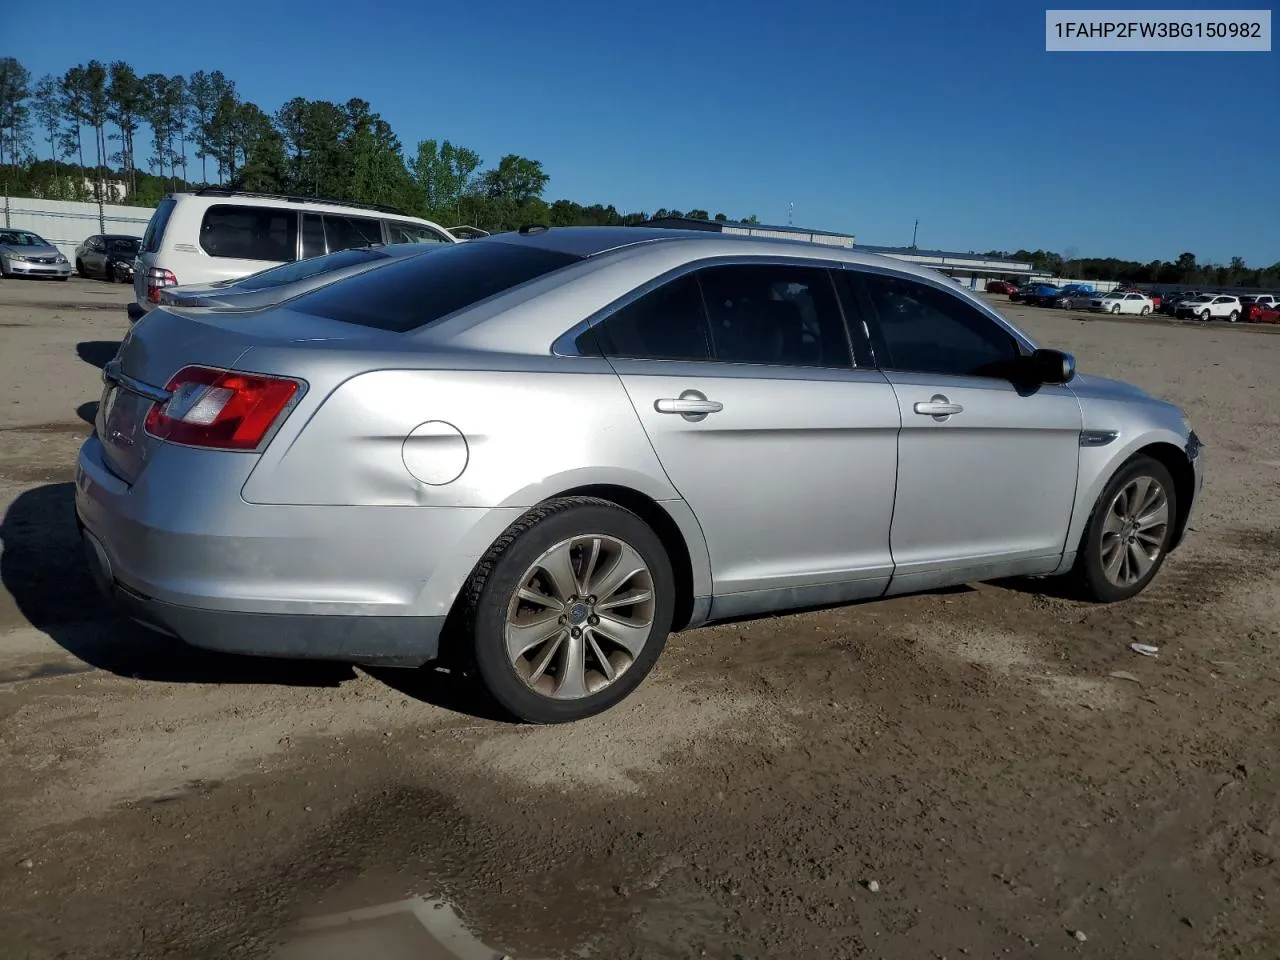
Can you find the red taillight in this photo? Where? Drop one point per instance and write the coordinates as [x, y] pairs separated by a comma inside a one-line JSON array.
[[219, 408], [157, 279]]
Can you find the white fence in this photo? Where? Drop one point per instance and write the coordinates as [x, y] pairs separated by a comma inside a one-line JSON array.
[[66, 223]]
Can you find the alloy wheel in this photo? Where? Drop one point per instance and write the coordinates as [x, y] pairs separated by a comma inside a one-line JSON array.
[[1133, 532], [580, 617]]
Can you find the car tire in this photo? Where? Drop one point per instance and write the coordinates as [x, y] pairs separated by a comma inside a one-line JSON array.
[[109, 273], [80, 267], [1115, 309], [1113, 550], [1206, 316], [1146, 311], [565, 676], [1233, 316]]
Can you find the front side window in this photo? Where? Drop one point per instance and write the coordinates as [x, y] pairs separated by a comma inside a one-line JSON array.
[[249, 233], [402, 231], [923, 329]]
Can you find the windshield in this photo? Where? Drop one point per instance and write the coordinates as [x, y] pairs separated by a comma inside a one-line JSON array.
[[305, 269], [125, 247], [21, 238]]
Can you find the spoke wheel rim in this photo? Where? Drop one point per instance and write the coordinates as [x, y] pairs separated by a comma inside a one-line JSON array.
[[580, 617], [1133, 530]]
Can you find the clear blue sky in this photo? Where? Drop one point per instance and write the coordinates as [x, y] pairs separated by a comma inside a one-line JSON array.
[[866, 116]]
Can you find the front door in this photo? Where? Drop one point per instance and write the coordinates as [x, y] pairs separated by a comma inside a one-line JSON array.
[[785, 450], [986, 470]]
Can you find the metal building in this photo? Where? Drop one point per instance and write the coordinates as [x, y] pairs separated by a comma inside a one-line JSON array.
[[970, 269]]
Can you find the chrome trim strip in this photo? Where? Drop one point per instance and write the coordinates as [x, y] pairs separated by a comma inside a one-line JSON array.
[[111, 374]]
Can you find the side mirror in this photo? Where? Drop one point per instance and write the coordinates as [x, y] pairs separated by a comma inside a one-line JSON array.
[[1051, 366]]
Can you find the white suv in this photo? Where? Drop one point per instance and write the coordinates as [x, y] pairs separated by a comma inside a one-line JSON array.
[[1210, 306], [221, 234]]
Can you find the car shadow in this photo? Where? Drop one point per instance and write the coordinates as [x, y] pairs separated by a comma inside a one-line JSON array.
[[88, 412], [1060, 588], [97, 353], [42, 566]]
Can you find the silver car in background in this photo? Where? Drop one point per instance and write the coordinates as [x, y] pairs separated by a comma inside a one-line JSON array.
[[273, 285], [535, 454], [26, 254]]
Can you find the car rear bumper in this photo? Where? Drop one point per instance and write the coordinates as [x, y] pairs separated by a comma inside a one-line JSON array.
[[135, 311], [375, 641], [19, 269], [181, 551]]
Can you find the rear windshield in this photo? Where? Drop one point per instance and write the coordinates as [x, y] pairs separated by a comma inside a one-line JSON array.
[[421, 290], [155, 227], [304, 269]]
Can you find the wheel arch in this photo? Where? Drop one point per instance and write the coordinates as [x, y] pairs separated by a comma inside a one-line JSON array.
[[1184, 481], [689, 563]]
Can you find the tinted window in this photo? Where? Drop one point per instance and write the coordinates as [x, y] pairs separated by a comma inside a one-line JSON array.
[[312, 235], [774, 314], [344, 233], [123, 248], [923, 329], [420, 290], [250, 233], [404, 232], [152, 236], [665, 324], [302, 269]]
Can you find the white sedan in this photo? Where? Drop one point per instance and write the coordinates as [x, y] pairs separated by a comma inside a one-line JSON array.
[[1120, 302]]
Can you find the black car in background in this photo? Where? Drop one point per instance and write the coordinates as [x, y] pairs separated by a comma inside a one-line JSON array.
[[108, 256]]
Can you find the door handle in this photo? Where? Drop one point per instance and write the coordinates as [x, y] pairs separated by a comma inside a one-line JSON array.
[[691, 405], [688, 406], [939, 407]]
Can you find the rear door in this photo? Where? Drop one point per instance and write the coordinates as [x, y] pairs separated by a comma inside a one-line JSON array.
[[986, 471], [784, 447]]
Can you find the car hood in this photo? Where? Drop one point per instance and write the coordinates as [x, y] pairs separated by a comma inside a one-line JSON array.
[[45, 250], [1104, 387]]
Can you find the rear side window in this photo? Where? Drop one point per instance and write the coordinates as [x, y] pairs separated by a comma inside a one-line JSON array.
[[412, 293], [667, 323], [250, 233], [344, 233], [154, 233]]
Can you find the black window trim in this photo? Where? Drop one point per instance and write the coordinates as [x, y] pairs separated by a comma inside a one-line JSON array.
[[565, 345]]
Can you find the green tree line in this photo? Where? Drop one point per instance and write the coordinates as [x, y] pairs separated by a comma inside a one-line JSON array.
[[1185, 271], [100, 126]]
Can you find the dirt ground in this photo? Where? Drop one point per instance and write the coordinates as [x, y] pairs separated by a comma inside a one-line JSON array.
[[994, 758]]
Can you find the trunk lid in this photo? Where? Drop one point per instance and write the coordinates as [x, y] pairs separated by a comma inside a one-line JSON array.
[[168, 339]]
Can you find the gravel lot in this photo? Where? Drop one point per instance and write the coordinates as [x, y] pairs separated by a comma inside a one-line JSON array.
[[995, 759]]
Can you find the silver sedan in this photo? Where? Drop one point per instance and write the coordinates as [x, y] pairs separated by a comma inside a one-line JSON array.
[[26, 254], [288, 280], [536, 454]]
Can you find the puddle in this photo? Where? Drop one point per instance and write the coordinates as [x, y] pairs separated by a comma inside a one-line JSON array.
[[418, 928]]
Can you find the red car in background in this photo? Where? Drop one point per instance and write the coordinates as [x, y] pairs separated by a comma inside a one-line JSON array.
[[1269, 314], [1000, 286]]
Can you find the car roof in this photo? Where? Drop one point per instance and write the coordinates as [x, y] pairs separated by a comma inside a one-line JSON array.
[[249, 199], [593, 241]]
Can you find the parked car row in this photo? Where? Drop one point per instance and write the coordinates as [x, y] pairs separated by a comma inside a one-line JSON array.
[[1257, 308]]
